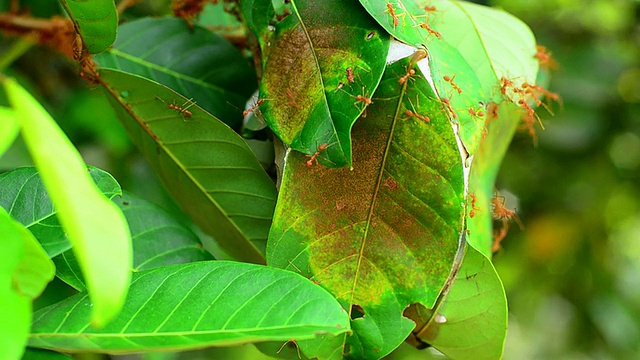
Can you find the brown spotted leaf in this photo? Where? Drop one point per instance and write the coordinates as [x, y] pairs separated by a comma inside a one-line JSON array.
[[383, 235], [316, 64]]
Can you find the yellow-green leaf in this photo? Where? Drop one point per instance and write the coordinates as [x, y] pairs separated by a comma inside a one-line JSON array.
[[96, 227], [15, 309]]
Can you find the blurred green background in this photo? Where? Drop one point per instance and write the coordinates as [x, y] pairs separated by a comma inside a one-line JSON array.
[[572, 275]]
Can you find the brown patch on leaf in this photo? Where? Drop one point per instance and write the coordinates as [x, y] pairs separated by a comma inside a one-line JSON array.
[[292, 81], [391, 184]]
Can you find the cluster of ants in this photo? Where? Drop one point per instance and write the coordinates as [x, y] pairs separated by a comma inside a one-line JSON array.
[[525, 95], [395, 17]]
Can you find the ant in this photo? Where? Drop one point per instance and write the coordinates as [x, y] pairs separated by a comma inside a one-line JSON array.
[[430, 8], [350, 75], [430, 30], [361, 98], [406, 76], [500, 212], [447, 103], [410, 113], [472, 213], [414, 113], [450, 79], [314, 158], [505, 84], [537, 91], [529, 121], [417, 56], [253, 108], [476, 114], [392, 11], [364, 99], [181, 109], [544, 58]]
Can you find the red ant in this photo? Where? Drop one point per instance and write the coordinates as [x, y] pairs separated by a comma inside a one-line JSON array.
[[475, 113], [350, 75], [527, 92], [430, 8], [453, 85], [253, 108], [447, 103], [361, 98], [364, 99], [544, 58], [505, 84], [414, 113], [406, 76], [529, 121], [500, 212], [472, 213], [314, 158], [417, 56], [537, 91], [430, 30], [392, 11], [410, 113], [181, 109]]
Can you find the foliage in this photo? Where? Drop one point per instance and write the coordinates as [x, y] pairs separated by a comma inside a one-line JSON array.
[[388, 121], [571, 275]]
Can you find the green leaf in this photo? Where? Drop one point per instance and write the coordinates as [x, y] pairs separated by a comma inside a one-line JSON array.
[[68, 270], [15, 308], [192, 61], [35, 271], [8, 128], [477, 44], [471, 322], [315, 64], [96, 21], [38, 354], [158, 239], [384, 235], [95, 226], [492, 41], [24, 196], [207, 167], [197, 305], [502, 122], [257, 15], [15, 316], [505, 44]]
